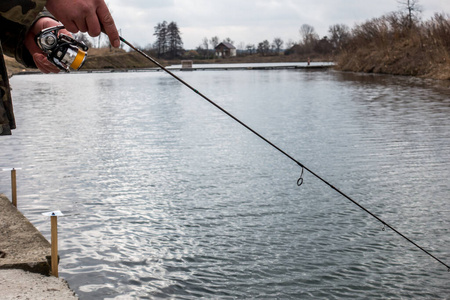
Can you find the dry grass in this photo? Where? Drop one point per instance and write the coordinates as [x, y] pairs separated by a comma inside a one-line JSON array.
[[108, 59], [388, 45]]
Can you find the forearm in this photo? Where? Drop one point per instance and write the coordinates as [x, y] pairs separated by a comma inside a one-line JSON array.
[[16, 18]]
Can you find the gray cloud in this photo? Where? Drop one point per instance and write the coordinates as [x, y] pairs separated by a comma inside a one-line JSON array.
[[249, 21]]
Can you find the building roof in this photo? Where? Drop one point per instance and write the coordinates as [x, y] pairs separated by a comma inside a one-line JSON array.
[[227, 45]]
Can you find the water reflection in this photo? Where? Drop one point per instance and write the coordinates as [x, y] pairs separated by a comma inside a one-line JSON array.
[[167, 197]]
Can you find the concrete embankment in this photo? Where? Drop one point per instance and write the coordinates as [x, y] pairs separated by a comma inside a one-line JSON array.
[[25, 259]]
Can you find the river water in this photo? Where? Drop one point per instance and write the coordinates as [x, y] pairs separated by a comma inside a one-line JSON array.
[[166, 197]]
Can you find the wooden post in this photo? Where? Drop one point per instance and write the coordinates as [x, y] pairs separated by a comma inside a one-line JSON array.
[[54, 221], [14, 187], [54, 228]]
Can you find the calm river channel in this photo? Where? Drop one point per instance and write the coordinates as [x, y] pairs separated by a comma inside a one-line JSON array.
[[164, 196]]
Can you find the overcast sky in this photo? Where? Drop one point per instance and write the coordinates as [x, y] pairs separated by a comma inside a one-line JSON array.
[[249, 21]]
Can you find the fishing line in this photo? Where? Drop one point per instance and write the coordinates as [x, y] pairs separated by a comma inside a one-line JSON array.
[[302, 166]]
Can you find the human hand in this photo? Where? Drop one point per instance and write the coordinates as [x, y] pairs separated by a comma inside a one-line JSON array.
[[86, 16], [39, 57]]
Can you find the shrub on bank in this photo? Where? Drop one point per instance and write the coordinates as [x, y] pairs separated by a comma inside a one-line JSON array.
[[393, 45]]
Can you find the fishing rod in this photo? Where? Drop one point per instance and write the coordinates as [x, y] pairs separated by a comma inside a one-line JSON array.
[[302, 166]]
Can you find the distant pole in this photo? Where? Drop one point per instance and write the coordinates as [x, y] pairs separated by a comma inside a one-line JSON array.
[[54, 222], [14, 187]]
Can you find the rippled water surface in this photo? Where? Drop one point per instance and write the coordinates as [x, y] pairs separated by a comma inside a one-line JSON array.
[[166, 197]]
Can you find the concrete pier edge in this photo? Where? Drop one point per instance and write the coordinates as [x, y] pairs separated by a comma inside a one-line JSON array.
[[25, 259]]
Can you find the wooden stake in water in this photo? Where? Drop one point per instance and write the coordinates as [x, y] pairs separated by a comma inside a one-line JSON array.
[[14, 187]]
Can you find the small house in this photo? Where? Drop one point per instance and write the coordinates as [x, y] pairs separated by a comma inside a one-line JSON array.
[[225, 49]]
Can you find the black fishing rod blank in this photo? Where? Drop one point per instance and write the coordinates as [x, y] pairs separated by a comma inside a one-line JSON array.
[[302, 166]]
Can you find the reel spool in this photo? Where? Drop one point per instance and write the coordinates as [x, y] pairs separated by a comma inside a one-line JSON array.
[[62, 50]]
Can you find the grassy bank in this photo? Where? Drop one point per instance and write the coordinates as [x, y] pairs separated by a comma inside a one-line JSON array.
[[117, 59], [388, 45]]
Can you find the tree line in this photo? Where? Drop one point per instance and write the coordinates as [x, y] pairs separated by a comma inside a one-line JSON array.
[[340, 37]]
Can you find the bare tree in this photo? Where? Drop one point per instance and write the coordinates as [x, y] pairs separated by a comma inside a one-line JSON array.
[[309, 37], [228, 40], [289, 44], [264, 48], [339, 35], [214, 41], [278, 43], [250, 48], [203, 48], [412, 9], [205, 45], [308, 34]]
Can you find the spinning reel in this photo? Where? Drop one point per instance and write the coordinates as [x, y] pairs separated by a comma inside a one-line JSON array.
[[62, 50]]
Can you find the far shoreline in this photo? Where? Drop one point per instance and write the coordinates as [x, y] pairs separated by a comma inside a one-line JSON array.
[[117, 60]]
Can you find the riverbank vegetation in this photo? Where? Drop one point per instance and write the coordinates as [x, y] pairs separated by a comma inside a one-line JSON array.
[[395, 44], [398, 43]]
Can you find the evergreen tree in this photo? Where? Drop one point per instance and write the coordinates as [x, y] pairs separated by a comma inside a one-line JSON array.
[[174, 40], [168, 40], [161, 44]]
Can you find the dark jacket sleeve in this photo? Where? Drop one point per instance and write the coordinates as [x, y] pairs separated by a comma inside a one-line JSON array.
[[16, 18]]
